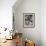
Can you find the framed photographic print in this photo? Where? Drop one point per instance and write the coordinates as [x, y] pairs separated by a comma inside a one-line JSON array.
[[29, 20]]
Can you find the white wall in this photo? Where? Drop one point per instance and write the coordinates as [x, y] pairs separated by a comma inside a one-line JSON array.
[[29, 6], [6, 13], [26, 6], [43, 22]]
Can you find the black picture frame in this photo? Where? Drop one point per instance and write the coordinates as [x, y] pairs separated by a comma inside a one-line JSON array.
[[28, 20]]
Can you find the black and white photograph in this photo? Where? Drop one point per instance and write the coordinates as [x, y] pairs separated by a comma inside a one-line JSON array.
[[29, 20]]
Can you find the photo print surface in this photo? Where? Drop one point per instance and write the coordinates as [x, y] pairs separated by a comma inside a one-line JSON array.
[[29, 20]]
